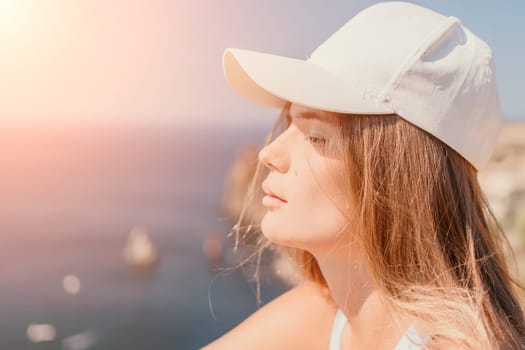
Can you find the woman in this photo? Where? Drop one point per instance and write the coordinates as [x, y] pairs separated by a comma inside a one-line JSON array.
[[371, 188]]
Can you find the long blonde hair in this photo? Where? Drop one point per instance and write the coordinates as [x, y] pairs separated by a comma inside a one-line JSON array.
[[433, 245]]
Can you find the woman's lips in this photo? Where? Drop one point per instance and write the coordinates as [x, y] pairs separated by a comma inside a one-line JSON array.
[[271, 201], [271, 195]]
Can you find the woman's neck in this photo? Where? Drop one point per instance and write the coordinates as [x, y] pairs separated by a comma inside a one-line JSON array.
[[371, 323]]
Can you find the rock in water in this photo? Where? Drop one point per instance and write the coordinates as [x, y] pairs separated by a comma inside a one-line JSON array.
[[140, 252]]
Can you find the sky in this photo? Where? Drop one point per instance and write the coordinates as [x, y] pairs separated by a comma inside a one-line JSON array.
[[160, 61]]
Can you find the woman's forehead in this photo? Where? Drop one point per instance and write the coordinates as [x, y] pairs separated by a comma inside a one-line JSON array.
[[303, 112]]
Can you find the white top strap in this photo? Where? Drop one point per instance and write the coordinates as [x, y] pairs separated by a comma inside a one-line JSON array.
[[337, 330], [411, 340]]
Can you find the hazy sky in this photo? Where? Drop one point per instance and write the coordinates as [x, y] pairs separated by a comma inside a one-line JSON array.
[[160, 60]]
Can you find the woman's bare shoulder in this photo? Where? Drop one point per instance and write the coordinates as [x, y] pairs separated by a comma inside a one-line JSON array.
[[300, 318]]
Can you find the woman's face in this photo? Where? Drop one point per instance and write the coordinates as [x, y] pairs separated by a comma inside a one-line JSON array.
[[303, 174]]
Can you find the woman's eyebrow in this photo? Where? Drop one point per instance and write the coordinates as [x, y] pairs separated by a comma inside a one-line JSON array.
[[306, 115]]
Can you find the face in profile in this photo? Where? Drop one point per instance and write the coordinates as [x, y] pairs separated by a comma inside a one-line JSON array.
[[304, 197]]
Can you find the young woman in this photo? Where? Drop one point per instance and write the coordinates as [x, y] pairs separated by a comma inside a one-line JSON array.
[[370, 183]]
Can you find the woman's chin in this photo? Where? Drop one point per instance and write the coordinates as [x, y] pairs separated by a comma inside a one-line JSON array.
[[277, 236], [274, 234]]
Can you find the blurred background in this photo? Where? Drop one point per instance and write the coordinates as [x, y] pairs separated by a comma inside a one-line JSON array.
[[124, 155]]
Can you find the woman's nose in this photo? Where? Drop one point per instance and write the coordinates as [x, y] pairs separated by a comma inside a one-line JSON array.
[[274, 159]]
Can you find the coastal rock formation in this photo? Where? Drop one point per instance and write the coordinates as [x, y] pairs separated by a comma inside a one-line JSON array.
[[237, 184]]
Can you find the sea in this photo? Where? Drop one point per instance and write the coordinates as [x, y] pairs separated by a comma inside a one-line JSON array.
[[71, 195]]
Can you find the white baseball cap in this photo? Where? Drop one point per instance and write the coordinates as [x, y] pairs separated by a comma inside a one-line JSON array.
[[392, 57]]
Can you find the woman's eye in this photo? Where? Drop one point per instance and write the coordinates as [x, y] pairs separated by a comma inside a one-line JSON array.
[[315, 140]]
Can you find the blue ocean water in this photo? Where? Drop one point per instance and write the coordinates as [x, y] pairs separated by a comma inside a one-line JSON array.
[[71, 195]]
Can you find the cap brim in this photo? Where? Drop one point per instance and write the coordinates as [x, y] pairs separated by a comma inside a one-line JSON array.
[[272, 80]]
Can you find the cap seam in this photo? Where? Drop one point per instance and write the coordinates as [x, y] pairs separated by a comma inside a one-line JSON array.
[[426, 43]]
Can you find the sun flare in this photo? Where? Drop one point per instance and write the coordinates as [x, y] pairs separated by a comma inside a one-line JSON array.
[[13, 15]]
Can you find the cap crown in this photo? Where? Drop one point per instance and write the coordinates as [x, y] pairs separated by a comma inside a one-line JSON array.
[[426, 67]]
